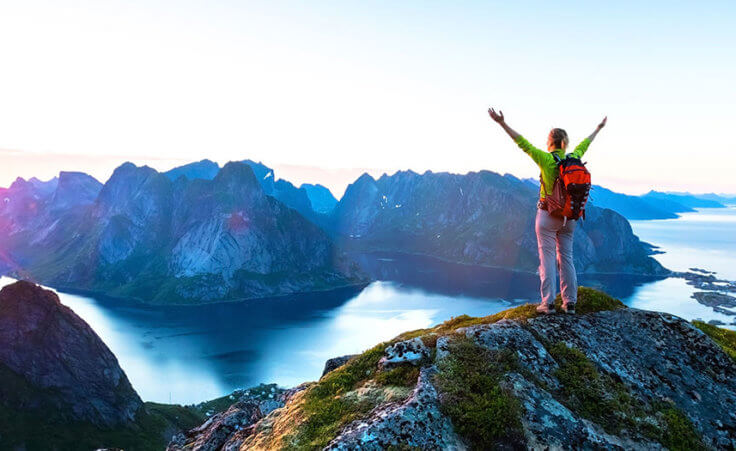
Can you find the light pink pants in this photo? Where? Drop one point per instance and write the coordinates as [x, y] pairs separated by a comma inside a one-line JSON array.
[[555, 234]]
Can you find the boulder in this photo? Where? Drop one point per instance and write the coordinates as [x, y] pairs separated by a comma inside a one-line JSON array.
[[412, 351], [335, 363]]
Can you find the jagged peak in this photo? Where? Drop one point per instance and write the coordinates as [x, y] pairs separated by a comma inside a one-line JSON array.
[[364, 178]]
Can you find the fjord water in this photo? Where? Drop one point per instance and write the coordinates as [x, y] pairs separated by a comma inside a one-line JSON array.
[[190, 354], [705, 239]]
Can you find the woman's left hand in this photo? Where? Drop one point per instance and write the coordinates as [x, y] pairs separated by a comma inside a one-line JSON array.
[[603, 123]]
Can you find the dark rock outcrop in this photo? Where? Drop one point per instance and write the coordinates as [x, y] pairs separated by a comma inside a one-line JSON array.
[[46, 344], [336, 362]]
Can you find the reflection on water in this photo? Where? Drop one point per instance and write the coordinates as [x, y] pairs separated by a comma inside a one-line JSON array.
[[190, 354]]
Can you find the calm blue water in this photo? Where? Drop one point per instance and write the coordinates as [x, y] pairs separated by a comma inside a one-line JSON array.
[[190, 354], [705, 239]]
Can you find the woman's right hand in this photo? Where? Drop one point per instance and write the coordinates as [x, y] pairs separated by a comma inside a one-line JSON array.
[[498, 117]]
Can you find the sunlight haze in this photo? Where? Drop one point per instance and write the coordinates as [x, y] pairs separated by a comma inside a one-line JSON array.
[[345, 86]]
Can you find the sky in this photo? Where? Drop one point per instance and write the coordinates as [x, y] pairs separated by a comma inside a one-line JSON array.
[[324, 90]]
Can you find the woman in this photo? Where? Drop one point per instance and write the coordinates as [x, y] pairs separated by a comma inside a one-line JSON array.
[[552, 232]]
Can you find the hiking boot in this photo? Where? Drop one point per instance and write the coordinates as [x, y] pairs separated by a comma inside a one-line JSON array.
[[568, 308], [545, 309]]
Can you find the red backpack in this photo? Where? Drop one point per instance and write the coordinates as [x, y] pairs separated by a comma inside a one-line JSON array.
[[571, 189]]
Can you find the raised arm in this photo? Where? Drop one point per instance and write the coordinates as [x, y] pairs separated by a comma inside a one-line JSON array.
[[583, 146], [498, 117], [598, 128], [537, 155]]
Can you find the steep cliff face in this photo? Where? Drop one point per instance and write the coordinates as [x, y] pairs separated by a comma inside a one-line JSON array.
[[61, 388], [608, 378], [478, 218], [50, 347], [184, 241]]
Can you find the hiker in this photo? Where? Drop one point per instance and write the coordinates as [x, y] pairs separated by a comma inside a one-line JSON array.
[[555, 223]]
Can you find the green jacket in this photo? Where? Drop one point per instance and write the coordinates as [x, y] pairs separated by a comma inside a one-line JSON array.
[[546, 162]]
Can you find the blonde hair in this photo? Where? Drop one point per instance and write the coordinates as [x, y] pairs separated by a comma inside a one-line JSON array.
[[559, 136]]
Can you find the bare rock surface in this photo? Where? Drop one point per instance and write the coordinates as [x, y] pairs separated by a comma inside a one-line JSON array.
[[548, 424], [656, 355]]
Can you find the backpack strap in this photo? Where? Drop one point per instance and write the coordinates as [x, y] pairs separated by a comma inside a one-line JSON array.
[[557, 158]]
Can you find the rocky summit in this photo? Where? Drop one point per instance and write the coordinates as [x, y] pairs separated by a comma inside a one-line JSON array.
[[608, 378], [44, 345]]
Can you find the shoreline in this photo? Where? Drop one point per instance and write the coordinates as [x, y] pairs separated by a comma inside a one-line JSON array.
[[358, 286]]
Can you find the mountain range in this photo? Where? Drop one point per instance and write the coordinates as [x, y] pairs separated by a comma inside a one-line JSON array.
[[146, 237], [201, 233]]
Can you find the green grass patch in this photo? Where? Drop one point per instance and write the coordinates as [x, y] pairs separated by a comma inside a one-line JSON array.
[[591, 394], [482, 412], [679, 434], [326, 411], [724, 338], [591, 301], [609, 403], [402, 376]]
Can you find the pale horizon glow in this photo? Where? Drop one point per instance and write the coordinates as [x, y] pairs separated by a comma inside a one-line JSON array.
[[320, 90]]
